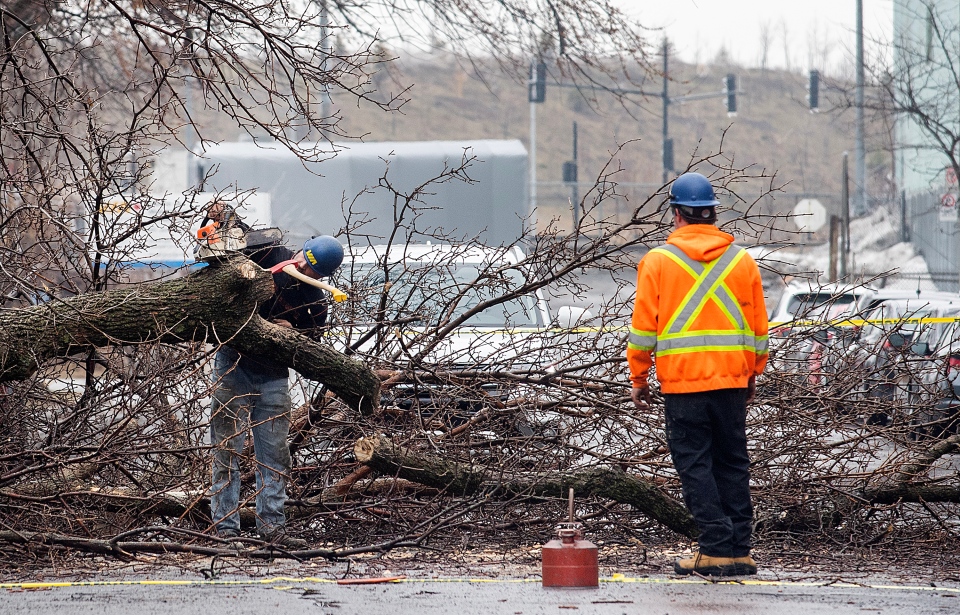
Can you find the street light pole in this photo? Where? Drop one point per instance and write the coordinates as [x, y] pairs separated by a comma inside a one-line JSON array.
[[574, 193], [536, 94], [860, 200], [325, 49], [667, 146], [533, 157]]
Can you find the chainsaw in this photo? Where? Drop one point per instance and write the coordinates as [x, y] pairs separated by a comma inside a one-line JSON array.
[[219, 239]]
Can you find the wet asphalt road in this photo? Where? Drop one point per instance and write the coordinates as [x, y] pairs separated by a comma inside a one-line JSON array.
[[655, 596]]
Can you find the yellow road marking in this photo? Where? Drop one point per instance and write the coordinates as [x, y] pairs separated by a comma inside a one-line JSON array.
[[286, 583]]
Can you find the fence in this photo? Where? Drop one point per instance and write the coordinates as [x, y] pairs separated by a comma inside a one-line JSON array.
[[934, 234]]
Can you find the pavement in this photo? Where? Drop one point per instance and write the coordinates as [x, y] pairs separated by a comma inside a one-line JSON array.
[[619, 594]]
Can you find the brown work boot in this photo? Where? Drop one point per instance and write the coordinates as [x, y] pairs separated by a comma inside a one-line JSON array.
[[231, 540], [715, 566], [280, 539]]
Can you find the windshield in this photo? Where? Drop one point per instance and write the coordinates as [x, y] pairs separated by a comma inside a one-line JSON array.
[[942, 334], [819, 305], [443, 293], [894, 312]]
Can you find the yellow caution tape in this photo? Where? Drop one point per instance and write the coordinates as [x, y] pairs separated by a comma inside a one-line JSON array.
[[859, 322], [851, 322]]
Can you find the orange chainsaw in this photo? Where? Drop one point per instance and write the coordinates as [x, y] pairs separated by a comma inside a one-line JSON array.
[[216, 240]]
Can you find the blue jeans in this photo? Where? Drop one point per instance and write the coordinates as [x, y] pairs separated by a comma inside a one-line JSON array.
[[246, 396], [707, 436]]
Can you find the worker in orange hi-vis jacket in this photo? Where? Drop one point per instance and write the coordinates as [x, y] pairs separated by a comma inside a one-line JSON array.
[[699, 312]]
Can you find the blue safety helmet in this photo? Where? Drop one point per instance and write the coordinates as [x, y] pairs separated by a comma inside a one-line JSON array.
[[692, 190], [324, 254]]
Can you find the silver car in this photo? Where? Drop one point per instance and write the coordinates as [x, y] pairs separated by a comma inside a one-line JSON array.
[[934, 406], [882, 359]]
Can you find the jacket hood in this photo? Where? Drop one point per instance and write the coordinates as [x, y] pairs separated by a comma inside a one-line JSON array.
[[701, 242]]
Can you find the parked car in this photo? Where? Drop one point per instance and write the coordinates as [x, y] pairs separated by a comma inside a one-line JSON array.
[[882, 351], [802, 325], [806, 300], [831, 344], [421, 307], [935, 392], [869, 300]]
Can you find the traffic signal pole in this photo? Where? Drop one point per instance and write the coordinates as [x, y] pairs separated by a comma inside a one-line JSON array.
[[665, 97], [574, 193], [860, 194], [533, 157], [536, 93], [729, 92]]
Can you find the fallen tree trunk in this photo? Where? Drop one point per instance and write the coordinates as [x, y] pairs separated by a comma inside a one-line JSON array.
[[123, 549], [384, 456], [217, 304], [910, 481]]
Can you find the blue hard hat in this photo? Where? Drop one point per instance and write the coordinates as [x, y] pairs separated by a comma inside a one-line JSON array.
[[692, 190], [324, 254]]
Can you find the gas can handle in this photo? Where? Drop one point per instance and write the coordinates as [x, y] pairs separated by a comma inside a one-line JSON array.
[[569, 533]]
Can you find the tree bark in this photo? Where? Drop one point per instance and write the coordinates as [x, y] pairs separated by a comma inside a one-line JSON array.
[[217, 304], [461, 479], [910, 482]]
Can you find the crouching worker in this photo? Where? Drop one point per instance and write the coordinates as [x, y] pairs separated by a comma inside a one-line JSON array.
[[252, 393], [699, 311]]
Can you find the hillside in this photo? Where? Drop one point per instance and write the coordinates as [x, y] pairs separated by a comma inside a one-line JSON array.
[[773, 129]]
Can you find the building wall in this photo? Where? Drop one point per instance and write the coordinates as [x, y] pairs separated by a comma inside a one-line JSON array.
[[919, 57], [928, 65], [350, 190]]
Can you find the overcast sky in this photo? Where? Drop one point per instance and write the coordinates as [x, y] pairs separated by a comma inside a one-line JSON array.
[[819, 33]]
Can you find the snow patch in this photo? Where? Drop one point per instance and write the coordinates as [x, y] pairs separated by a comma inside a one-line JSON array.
[[876, 250]]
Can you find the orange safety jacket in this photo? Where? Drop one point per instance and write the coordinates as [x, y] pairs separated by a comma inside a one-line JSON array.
[[699, 309]]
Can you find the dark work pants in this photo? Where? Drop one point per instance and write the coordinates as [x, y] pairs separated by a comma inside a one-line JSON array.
[[706, 433]]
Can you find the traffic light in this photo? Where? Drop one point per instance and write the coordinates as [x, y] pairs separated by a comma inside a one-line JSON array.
[[537, 85], [570, 172], [813, 91], [668, 155], [731, 83]]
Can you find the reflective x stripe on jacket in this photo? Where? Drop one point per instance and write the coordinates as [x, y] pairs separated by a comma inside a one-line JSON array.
[[697, 352], [677, 336]]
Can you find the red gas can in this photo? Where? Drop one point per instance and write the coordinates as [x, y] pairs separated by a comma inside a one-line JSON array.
[[570, 561]]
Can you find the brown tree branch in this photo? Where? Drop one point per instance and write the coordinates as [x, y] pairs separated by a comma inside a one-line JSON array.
[[456, 478]]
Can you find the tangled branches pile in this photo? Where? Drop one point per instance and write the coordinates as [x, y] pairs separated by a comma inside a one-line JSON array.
[[493, 405]]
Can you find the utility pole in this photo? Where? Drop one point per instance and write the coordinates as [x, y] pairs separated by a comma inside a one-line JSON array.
[[570, 178], [835, 234], [533, 154], [904, 231], [860, 200], [193, 176], [325, 50], [536, 94], [667, 142], [845, 204], [571, 174]]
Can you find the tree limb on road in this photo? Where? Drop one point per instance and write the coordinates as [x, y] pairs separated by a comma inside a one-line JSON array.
[[384, 456], [217, 304], [911, 483]]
